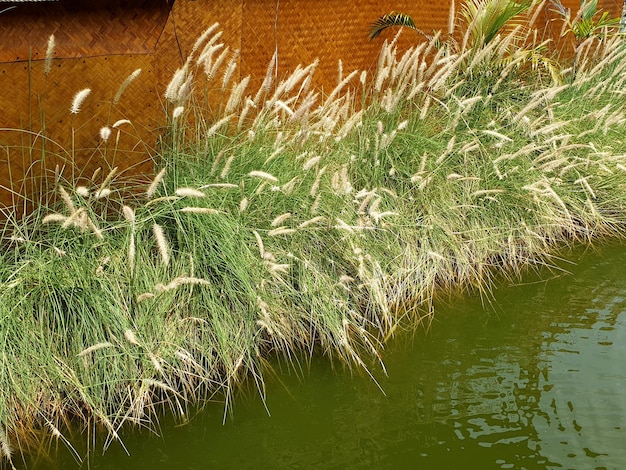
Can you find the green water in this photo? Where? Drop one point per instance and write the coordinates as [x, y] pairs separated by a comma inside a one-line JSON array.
[[535, 379]]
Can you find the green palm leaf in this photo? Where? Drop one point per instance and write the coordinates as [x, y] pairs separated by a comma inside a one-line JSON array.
[[389, 20], [485, 18]]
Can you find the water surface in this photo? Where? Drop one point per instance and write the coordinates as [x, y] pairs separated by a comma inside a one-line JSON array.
[[533, 378]]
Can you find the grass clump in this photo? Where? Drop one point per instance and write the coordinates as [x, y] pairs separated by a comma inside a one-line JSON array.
[[285, 221]]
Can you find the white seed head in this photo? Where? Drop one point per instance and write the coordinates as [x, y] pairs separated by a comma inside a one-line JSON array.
[[177, 111], [78, 100], [102, 193], [189, 192], [51, 218], [124, 85], [310, 163], [129, 214], [120, 122], [199, 210], [162, 245], [82, 191], [263, 175], [155, 183], [280, 219], [131, 337], [105, 133], [95, 347], [49, 55]]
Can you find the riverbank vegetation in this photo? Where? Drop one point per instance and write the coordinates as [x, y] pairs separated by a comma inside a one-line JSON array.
[[284, 221]]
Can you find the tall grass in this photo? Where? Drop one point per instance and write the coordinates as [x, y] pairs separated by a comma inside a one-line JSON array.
[[284, 221]]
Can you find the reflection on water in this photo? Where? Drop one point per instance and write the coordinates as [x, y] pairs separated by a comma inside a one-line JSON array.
[[537, 379]]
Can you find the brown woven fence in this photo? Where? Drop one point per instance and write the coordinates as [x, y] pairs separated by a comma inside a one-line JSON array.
[[99, 43]]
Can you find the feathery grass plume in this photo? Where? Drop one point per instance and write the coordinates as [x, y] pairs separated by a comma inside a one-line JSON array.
[[124, 85], [354, 121], [236, 95], [244, 113], [185, 89], [177, 112], [486, 192], [313, 221], [132, 251], [182, 281], [102, 193], [108, 178], [267, 81], [243, 204], [277, 151], [105, 133], [281, 231], [200, 210], [211, 68], [78, 100], [5, 445], [583, 181], [95, 347], [155, 183], [283, 106], [339, 71], [129, 214], [311, 162], [52, 218], [119, 122], [497, 134], [189, 192], [203, 37], [77, 219], [280, 219], [260, 244], [343, 225], [67, 200], [230, 69], [304, 110], [316, 204], [538, 98], [318, 179], [205, 59], [216, 161], [172, 91], [425, 108], [82, 191], [162, 244], [263, 175], [131, 337], [220, 186], [92, 226], [218, 125], [162, 199], [209, 46], [337, 90], [451, 19], [49, 55], [145, 296], [227, 166]]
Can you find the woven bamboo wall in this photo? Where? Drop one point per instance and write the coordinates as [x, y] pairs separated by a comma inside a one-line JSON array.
[[302, 31], [97, 45], [100, 42]]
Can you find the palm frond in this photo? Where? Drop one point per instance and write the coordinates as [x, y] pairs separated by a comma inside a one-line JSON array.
[[389, 20], [485, 18]]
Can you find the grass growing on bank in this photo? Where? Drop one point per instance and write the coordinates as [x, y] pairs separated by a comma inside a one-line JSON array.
[[287, 221]]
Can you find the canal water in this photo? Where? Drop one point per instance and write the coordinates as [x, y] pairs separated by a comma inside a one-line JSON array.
[[534, 377]]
